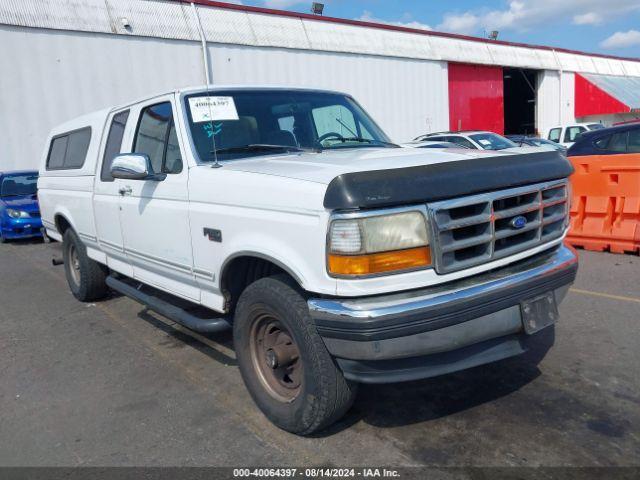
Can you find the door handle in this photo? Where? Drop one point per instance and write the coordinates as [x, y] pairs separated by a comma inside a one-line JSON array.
[[125, 191]]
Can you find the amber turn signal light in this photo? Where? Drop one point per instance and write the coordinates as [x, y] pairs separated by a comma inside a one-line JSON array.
[[380, 262]]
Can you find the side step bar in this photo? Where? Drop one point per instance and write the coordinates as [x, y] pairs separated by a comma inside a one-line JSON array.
[[177, 314]]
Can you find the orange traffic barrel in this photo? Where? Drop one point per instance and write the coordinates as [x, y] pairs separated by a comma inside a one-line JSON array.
[[605, 207]]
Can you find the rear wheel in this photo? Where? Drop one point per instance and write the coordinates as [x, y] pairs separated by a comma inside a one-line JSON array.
[[86, 278], [283, 361], [2, 239]]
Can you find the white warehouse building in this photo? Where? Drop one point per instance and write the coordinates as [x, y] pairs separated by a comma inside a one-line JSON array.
[[63, 58]]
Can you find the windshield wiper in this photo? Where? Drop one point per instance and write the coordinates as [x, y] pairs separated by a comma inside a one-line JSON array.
[[259, 147], [369, 140], [356, 138]]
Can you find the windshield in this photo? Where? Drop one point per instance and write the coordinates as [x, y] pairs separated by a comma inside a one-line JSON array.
[[259, 122], [492, 141], [25, 184], [595, 126]]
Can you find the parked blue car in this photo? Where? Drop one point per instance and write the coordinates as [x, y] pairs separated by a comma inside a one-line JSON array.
[[19, 211]]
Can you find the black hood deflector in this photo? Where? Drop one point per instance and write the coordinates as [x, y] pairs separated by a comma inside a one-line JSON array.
[[440, 181]]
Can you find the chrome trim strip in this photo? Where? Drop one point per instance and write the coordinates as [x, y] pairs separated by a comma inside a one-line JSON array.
[[160, 261], [398, 305], [90, 238], [207, 275], [113, 246]]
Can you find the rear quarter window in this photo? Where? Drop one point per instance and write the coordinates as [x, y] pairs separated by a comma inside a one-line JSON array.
[[69, 150]]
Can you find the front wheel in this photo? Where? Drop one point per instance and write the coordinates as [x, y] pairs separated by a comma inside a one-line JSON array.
[[284, 362], [86, 277]]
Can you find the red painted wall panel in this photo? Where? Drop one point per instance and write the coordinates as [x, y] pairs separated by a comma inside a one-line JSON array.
[[592, 100], [476, 98]]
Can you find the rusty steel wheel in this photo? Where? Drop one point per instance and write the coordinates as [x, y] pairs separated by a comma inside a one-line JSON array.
[[86, 277], [74, 264], [284, 362], [275, 358]]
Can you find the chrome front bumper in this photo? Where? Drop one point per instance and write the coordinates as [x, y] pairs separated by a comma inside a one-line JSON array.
[[434, 321]]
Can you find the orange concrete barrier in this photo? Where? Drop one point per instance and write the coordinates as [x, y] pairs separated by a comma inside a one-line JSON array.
[[605, 207]]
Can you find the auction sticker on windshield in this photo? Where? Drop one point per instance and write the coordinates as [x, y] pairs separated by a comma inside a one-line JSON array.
[[207, 109]]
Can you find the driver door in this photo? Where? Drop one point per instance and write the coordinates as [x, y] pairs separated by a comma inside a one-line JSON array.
[[155, 214]]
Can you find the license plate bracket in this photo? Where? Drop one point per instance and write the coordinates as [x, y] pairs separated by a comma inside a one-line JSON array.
[[539, 312]]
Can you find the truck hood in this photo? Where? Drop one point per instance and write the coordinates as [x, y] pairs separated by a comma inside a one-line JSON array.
[[384, 177], [323, 167]]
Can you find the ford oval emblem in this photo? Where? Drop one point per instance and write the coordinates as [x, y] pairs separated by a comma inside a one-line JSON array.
[[518, 222]]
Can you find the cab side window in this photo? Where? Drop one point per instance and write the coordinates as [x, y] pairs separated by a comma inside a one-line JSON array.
[[602, 143], [156, 136], [618, 143], [114, 144], [554, 135], [614, 143], [173, 159], [572, 133], [633, 143]]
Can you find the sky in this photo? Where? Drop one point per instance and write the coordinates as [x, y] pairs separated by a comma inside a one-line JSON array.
[[599, 26]]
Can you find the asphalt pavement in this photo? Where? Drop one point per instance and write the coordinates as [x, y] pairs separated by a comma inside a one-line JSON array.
[[109, 383]]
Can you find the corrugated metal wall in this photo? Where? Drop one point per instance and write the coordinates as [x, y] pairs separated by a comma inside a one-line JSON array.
[[593, 100], [172, 19], [57, 75], [50, 76], [63, 58], [406, 97]]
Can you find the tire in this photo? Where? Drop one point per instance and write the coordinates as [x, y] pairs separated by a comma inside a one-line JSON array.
[[2, 239], [323, 395], [86, 278]]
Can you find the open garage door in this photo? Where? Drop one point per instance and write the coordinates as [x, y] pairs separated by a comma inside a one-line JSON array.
[[501, 100], [520, 86]]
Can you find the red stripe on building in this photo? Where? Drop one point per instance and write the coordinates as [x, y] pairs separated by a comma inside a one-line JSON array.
[[592, 100], [476, 98]]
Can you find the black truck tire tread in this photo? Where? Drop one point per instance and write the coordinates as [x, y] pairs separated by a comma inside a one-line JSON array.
[[92, 274]]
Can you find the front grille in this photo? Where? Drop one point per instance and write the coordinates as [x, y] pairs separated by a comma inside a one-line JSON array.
[[473, 230]]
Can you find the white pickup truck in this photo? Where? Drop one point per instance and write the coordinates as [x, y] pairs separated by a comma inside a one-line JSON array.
[[335, 256]]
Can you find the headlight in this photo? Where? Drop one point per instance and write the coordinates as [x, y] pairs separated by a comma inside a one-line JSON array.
[[17, 213], [378, 244]]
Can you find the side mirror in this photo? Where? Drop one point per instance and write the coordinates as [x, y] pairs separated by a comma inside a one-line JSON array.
[[134, 166]]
